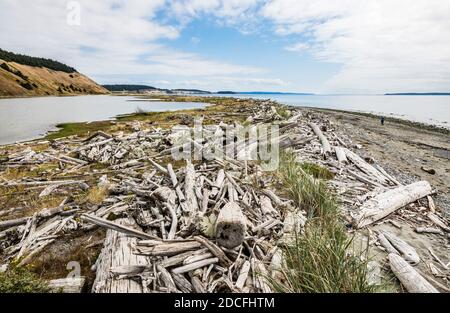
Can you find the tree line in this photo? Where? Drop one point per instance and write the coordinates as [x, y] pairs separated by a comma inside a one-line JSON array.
[[34, 61]]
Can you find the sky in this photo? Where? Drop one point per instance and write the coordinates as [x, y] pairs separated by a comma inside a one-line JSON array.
[[320, 46]]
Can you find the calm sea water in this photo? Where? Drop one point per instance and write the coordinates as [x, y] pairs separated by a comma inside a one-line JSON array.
[[433, 110], [29, 118]]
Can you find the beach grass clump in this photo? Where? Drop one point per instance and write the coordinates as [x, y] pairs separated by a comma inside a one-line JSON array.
[[317, 171], [283, 112], [321, 259], [20, 279], [309, 193]]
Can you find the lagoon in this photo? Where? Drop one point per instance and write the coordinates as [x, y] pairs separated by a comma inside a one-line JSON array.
[[29, 118]]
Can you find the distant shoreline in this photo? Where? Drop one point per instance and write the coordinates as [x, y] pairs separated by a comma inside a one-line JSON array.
[[418, 94], [407, 122]]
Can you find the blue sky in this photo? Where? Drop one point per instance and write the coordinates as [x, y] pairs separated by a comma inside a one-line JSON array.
[[321, 46]]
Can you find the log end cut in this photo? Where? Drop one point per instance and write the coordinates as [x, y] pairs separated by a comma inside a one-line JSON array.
[[230, 226]]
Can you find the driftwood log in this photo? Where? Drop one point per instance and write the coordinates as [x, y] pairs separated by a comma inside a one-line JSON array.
[[384, 204], [117, 252], [326, 147], [408, 276], [230, 226]]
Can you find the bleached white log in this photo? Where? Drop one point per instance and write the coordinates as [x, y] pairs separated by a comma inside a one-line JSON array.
[[174, 179], [218, 183], [365, 167], [408, 276], [117, 252], [243, 274], [386, 244], [166, 278], [115, 226], [428, 230], [230, 226], [14, 222], [169, 248], [194, 265], [408, 252], [388, 202], [293, 224], [189, 188], [326, 147], [431, 204], [340, 154], [261, 278], [437, 221]]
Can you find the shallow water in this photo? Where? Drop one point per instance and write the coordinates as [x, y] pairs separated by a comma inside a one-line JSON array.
[[28, 118], [434, 110]]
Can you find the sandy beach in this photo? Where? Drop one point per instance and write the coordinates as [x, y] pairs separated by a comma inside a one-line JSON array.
[[402, 149]]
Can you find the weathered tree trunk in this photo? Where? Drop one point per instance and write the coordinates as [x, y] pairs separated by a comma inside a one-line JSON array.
[[117, 252], [11, 223], [340, 154], [115, 226], [174, 179], [230, 226], [189, 188], [384, 204], [243, 274], [408, 276], [408, 252], [437, 221], [325, 143], [365, 167], [169, 248]]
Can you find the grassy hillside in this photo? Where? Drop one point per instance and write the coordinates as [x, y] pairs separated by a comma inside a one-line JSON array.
[[24, 80], [22, 75]]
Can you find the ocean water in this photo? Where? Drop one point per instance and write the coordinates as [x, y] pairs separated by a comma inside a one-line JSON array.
[[434, 110]]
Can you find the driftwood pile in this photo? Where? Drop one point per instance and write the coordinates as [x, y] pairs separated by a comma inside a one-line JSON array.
[[195, 229], [369, 198], [212, 225]]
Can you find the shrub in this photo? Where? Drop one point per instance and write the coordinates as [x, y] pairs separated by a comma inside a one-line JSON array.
[[26, 85], [19, 279]]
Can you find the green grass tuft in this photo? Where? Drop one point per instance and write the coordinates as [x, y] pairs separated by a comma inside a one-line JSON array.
[[317, 171], [69, 129], [283, 112], [320, 260]]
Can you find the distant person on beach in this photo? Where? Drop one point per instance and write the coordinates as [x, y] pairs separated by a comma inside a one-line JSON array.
[[382, 120]]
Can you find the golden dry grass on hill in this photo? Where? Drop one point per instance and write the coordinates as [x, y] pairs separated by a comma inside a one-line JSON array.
[[40, 81]]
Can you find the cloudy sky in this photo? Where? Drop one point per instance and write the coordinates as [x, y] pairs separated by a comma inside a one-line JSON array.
[[323, 46]]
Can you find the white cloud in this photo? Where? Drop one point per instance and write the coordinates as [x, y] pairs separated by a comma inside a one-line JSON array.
[[116, 37], [159, 82], [383, 45], [235, 83], [298, 47]]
